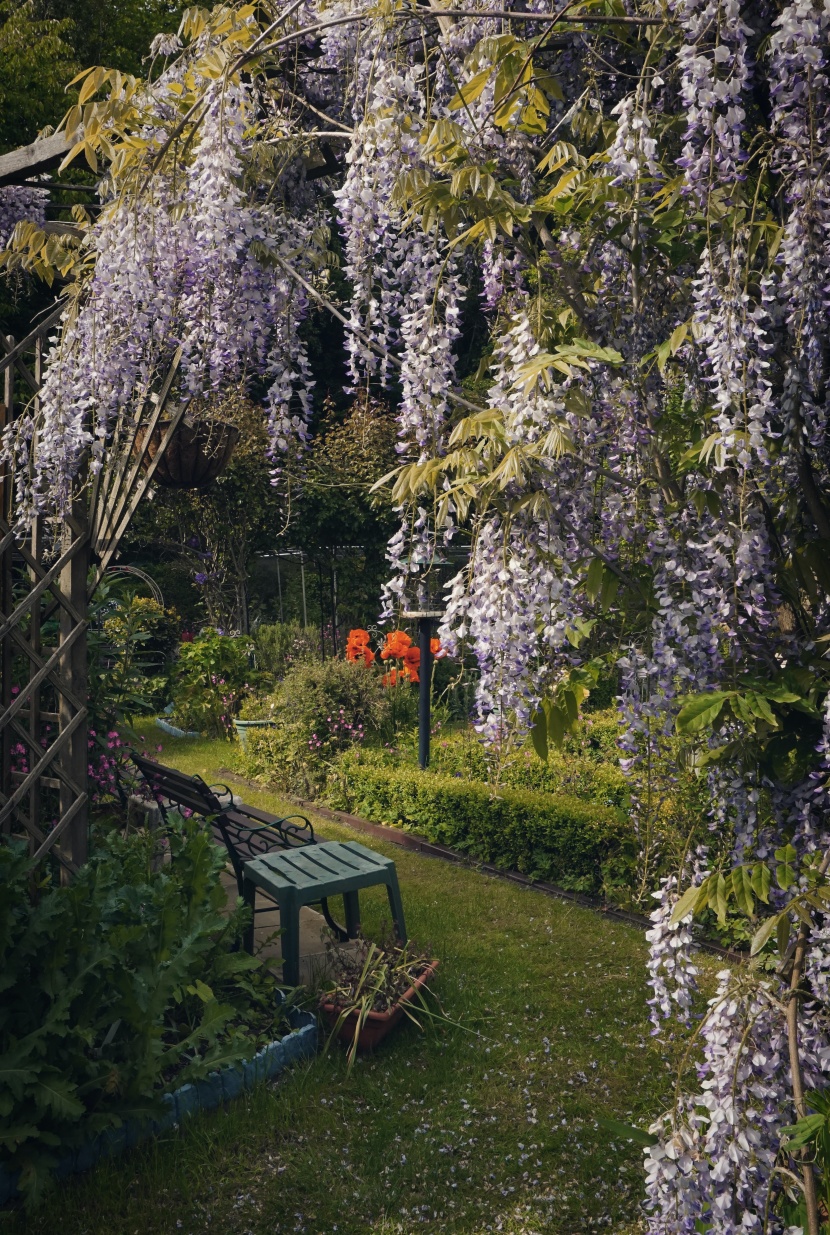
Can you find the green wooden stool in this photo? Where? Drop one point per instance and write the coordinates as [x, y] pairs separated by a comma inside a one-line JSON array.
[[295, 877]]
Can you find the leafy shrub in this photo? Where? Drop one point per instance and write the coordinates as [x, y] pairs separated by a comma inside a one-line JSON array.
[[131, 641], [283, 758], [211, 676], [585, 846], [112, 987], [570, 771], [320, 710], [316, 696], [282, 645]]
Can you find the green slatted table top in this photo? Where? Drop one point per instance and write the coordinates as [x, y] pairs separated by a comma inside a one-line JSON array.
[[318, 870]]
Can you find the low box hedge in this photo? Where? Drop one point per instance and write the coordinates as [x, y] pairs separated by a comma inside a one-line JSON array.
[[580, 845]]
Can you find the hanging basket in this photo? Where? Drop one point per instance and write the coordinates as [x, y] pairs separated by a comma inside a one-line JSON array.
[[197, 453]]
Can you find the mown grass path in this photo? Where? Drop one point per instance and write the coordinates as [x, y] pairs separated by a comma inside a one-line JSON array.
[[487, 1128]]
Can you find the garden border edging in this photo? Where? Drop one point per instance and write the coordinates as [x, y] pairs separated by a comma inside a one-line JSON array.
[[189, 1099]]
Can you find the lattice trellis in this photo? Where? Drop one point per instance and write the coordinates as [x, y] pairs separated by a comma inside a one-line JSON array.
[[48, 575], [47, 578]]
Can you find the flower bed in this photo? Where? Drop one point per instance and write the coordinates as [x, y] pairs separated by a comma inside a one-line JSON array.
[[190, 1099]]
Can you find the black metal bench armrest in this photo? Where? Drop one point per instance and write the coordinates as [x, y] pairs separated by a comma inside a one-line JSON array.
[[264, 817], [222, 791], [242, 815]]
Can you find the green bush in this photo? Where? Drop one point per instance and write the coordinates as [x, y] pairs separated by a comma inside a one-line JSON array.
[[280, 646], [583, 770], [131, 641], [210, 679], [324, 697], [282, 758], [320, 710], [115, 988], [584, 846]]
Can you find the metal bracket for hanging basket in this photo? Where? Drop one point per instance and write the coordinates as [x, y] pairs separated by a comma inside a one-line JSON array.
[[197, 453]]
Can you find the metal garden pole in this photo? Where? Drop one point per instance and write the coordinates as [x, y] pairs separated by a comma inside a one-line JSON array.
[[425, 618]]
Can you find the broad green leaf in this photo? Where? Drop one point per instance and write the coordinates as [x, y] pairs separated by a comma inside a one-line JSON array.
[[761, 708], [539, 734], [551, 86], [701, 711], [678, 337], [557, 725], [763, 934], [562, 185], [783, 934], [593, 578], [690, 901], [802, 1133], [610, 587], [626, 1131], [779, 693], [471, 90], [785, 874], [722, 889], [57, 1093], [742, 889], [761, 879], [591, 351]]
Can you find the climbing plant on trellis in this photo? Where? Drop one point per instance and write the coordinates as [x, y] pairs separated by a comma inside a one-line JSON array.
[[47, 578]]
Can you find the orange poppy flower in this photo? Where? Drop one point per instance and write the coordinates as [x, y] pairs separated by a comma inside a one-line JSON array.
[[397, 641], [435, 647], [391, 678], [357, 647]]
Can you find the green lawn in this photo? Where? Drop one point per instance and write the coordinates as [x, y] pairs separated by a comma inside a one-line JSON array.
[[491, 1128]]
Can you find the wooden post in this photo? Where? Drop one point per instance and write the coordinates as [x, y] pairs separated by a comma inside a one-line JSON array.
[[6, 597], [74, 757]]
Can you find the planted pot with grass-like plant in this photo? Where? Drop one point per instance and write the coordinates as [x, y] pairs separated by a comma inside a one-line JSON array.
[[256, 712], [372, 989]]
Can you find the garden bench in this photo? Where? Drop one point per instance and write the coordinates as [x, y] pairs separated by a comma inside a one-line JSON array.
[[245, 832], [304, 876], [279, 857]]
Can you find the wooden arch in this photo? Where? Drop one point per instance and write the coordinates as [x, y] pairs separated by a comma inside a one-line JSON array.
[[47, 578]]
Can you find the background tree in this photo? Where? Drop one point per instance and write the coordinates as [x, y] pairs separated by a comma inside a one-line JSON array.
[[37, 59]]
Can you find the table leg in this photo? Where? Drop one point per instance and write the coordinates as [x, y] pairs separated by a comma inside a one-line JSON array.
[[351, 908], [396, 906], [290, 942]]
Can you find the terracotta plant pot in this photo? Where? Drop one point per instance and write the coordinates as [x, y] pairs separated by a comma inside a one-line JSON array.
[[377, 1024], [198, 452]]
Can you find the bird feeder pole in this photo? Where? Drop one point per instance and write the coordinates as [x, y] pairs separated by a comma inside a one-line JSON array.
[[425, 618]]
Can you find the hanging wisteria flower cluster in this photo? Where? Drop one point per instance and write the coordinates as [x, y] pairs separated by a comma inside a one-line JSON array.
[[19, 204], [590, 264]]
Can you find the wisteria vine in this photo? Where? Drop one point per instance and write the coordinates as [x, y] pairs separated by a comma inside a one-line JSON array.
[[635, 473]]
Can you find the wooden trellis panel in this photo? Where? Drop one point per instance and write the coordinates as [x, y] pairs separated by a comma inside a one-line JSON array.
[[49, 574], [43, 622], [47, 578]]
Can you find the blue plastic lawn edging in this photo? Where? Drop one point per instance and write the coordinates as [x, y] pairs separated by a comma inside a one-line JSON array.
[[187, 1100], [174, 731]]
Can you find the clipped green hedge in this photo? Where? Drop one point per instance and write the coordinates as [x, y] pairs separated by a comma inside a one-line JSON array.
[[585, 769], [584, 846]]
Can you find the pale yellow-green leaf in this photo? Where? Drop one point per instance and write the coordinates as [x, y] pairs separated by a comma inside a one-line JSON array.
[[763, 933], [471, 90], [688, 902]]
